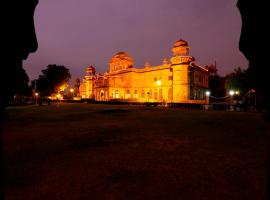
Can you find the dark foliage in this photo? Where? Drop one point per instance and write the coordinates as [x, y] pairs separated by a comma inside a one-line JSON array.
[[240, 80], [217, 86], [51, 79], [22, 87]]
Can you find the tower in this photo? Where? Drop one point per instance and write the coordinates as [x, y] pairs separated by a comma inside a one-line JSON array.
[[89, 79], [180, 65]]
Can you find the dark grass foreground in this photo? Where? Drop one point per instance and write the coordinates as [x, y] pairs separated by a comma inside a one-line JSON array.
[[86, 151]]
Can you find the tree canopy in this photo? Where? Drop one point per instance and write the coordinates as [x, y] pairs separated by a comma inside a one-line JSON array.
[[51, 79], [22, 83], [239, 80]]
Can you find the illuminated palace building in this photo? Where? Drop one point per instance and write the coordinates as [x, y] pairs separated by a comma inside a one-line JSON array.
[[179, 81]]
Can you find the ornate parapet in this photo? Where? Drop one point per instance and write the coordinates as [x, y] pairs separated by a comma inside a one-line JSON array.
[[177, 60]]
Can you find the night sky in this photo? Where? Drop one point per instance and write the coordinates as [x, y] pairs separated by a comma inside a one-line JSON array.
[[78, 33]]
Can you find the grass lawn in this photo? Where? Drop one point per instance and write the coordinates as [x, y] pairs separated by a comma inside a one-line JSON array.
[[87, 151]]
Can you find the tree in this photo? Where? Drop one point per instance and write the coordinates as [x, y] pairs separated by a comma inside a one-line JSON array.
[[239, 80], [216, 83], [22, 87], [51, 79], [217, 86], [77, 86]]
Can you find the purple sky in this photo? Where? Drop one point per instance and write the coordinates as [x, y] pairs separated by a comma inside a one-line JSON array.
[[78, 33]]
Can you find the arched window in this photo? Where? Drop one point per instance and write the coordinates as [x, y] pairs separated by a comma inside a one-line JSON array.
[[156, 95], [142, 94], [150, 94], [127, 94], [116, 94], [135, 94], [160, 95], [170, 94]]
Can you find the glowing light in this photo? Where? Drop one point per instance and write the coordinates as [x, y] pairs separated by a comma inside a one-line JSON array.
[[207, 93], [63, 87], [231, 92], [158, 82], [36, 94], [58, 95], [236, 92], [71, 90]]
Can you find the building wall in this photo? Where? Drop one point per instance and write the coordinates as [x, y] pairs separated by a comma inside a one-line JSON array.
[[180, 81], [155, 84]]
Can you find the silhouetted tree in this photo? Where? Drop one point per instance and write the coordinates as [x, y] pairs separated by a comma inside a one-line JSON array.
[[236, 80], [217, 86], [51, 79], [77, 86], [22, 88], [216, 82], [240, 80]]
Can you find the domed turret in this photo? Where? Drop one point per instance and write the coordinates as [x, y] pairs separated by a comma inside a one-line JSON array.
[[180, 48], [180, 42], [181, 53], [90, 70], [120, 61]]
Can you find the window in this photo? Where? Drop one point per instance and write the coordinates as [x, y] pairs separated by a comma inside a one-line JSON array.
[[142, 94], [116, 94], [127, 94], [160, 95], [170, 94], [155, 95], [135, 94], [150, 94]]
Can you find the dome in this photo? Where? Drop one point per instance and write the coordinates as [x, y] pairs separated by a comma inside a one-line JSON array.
[[180, 42], [180, 48], [90, 68], [120, 61], [121, 56]]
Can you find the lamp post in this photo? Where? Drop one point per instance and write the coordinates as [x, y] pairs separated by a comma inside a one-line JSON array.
[[72, 92], [36, 97], [231, 93], [207, 93]]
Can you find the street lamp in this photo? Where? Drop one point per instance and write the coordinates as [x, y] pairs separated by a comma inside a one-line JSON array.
[[58, 96], [207, 93], [36, 96], [72, 92], [231, 92]]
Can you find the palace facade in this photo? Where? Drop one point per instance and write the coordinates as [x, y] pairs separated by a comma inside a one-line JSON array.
[[179, 81]]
